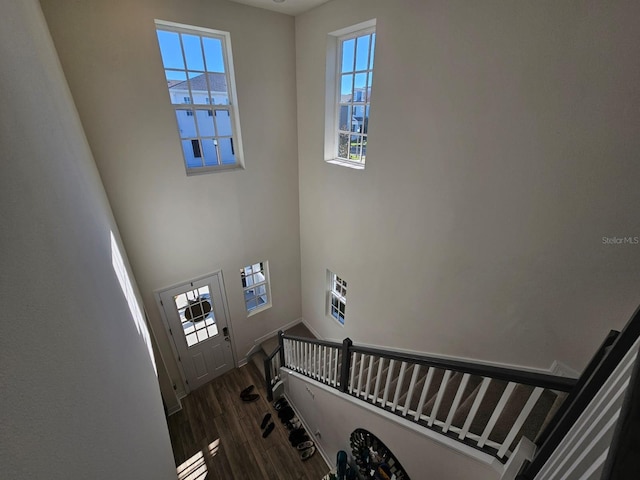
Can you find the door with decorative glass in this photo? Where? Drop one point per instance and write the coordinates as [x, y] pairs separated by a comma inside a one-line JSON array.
[[197, 321]]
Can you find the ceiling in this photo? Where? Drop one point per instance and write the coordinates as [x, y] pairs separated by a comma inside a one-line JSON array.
[[290, 7]]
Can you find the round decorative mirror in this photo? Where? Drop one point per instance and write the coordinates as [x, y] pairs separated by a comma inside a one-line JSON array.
[[373, 458]]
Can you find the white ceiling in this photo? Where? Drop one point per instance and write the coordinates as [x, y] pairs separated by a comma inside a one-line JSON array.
[[290, 7]]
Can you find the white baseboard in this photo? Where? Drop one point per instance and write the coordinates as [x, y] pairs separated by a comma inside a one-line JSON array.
[[242, 362], [563, 370], [311, 329], [175, 409]]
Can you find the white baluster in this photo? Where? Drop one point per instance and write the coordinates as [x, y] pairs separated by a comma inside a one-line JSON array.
[[423, 395], [353, 371], [335, 372], [376, 389], [524, 414], [412, 385], [362, 362], [456, 401], [324, 364], [474, 408], [385, 396], [496, 413], [441, 390], [369, 373], [396, 396]]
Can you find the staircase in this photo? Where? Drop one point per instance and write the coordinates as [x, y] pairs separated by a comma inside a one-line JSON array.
[[486, 407], [270, 344], [572, 422]]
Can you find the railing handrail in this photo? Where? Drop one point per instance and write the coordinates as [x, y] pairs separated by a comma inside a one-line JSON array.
[[621, 344], [313, 341], [552, 382]]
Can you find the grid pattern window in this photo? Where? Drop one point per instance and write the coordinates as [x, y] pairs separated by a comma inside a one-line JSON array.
[[199, 74], [198, 320], [355, 77], [337, 297], [255, 285]]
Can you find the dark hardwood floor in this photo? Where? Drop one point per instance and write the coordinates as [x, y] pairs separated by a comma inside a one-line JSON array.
[[217, 436]]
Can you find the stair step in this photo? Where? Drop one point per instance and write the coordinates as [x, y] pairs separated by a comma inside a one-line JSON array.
[[559, 400], [451, 388], [487, 407], [534, 421]]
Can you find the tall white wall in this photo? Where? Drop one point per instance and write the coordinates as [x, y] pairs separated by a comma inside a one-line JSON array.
[[176, 227], [503, 146], [80, 398]]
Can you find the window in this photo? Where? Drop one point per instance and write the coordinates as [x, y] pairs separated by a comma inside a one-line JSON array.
[[337, 298], [196, 315], [255, 285], [199, 74], [350, 61]]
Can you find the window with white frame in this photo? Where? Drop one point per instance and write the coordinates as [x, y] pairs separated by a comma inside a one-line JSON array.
[[199, 74], [337, 297], [351, 59], [255, 286]]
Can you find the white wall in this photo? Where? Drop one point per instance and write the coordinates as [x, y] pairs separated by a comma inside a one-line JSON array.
[[336, 418], [110, 55], [80, 398], [503, 146]]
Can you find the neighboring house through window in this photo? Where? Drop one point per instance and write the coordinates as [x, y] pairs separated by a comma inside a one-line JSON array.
[[199, 74], [337, 297], [350, 59]]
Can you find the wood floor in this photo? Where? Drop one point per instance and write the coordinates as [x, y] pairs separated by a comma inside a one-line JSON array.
[[217, 436]]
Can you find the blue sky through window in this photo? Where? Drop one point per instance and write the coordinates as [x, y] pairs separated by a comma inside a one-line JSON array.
[[172, 58], [355, 53]]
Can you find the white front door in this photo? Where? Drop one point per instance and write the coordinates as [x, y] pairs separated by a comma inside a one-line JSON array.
[[197, 323]]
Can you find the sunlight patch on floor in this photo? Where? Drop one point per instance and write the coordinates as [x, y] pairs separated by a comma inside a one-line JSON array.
[[213, 447], [193, 469]]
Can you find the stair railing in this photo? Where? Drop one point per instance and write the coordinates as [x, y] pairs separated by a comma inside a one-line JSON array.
[[426, 390], [272, 366], [592, 403]]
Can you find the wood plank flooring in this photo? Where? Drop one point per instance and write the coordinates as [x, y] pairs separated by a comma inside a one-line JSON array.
[[217, 436]]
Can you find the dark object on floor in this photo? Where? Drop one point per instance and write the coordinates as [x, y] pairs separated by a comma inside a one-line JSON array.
[[305, 445], [308, 453], [293, 423], [265, 420], [252, 397], [246, 391], [286, 414], [297, 436], [280, 404], [268, 430]]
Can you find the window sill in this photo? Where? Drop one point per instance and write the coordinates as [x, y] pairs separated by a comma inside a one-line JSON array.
[[258, 310], [345, 163], [219, 168], [335, 320]]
